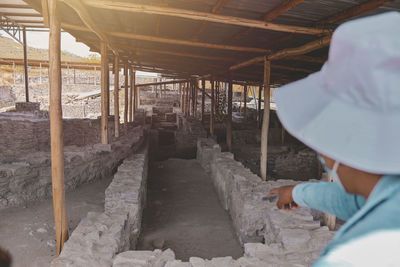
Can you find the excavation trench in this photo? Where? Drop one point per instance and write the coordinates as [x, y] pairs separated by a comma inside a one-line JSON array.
[[183, 213]]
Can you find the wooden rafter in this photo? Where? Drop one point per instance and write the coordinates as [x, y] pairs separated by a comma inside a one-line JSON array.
[[216, 8], [168, 41], [202, 16], [83, 13]]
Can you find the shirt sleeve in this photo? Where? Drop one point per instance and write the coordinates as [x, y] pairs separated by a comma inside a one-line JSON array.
[[328, 197]]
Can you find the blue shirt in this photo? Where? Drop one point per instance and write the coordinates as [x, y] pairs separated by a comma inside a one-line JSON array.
[[381, 211]]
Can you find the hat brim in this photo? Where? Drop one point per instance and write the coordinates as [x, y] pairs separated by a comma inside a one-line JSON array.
[[360, 138]]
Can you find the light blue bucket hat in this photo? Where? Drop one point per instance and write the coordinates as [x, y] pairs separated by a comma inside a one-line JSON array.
[[350, 110]]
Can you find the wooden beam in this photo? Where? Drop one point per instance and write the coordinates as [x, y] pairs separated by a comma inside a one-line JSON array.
[[246, 63], [16, 14], [104, 99], [134, 36], [229, 119], [116, 97], [15, 6], [265, 124], [126, 85], [308, 59], [285, 53], [159, 83], [56, 129], [45, 12], [83, 13], [354, 11], [202, 16], [304, 49], [216, 8]]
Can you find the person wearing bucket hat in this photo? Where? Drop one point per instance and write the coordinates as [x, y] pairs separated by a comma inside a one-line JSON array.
[[349, 113]]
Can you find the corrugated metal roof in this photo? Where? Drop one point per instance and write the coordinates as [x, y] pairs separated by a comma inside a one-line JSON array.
[[308, 13]]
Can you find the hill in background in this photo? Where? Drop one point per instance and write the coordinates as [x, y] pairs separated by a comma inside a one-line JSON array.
[[11, 49]]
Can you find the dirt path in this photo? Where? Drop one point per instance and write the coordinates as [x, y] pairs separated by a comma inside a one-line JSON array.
[[28, 233], [184, 211]]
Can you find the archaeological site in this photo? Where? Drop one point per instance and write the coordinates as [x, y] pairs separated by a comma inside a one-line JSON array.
[[162, 150]]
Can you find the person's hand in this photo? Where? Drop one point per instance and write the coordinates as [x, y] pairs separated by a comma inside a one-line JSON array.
[[285, 197]]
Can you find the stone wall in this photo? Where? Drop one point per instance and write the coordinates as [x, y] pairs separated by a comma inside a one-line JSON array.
[[22, 133], [100, 236], [29, 177]]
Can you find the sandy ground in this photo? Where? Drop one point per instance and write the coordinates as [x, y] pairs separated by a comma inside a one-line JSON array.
[[183, 210], [28, 232]]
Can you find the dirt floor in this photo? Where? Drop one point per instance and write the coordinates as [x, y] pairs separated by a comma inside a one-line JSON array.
[[28, 232], [183, 213]]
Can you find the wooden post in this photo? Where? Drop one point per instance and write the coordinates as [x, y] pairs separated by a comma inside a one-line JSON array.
[[56, 129], [26, 67], [212, 112], [107, 87], [182, 97], [104, 98], [116, 96], [259, 106], [229, 119], [203, 98], [133, 84], [126, 95], [196, 94], [265, 124], [187, 99], [131, 94], [245, 104]]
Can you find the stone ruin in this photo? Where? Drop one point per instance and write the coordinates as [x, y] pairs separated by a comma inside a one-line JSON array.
[[270, 237]]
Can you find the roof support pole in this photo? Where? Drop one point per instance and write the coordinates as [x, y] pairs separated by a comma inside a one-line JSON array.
[[196, 94], [26, 66], [126, 94], [107, 88], [265, 124], [212, 112], [135, 95], [116, 96], [229, 119], [56, 129], [187, 105], [259, 106], [131, 74], [203, 98], [104, 95], [182, 97], [245, 104]]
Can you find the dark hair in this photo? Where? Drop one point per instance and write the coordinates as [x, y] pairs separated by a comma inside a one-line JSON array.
[[5, 258]]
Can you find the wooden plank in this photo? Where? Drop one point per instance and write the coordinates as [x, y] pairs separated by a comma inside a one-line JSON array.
[[159, 83], [265, 124], [56, 129], [229, 119], [116, 96], [202, 16], [45, 12], [104, 99]]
